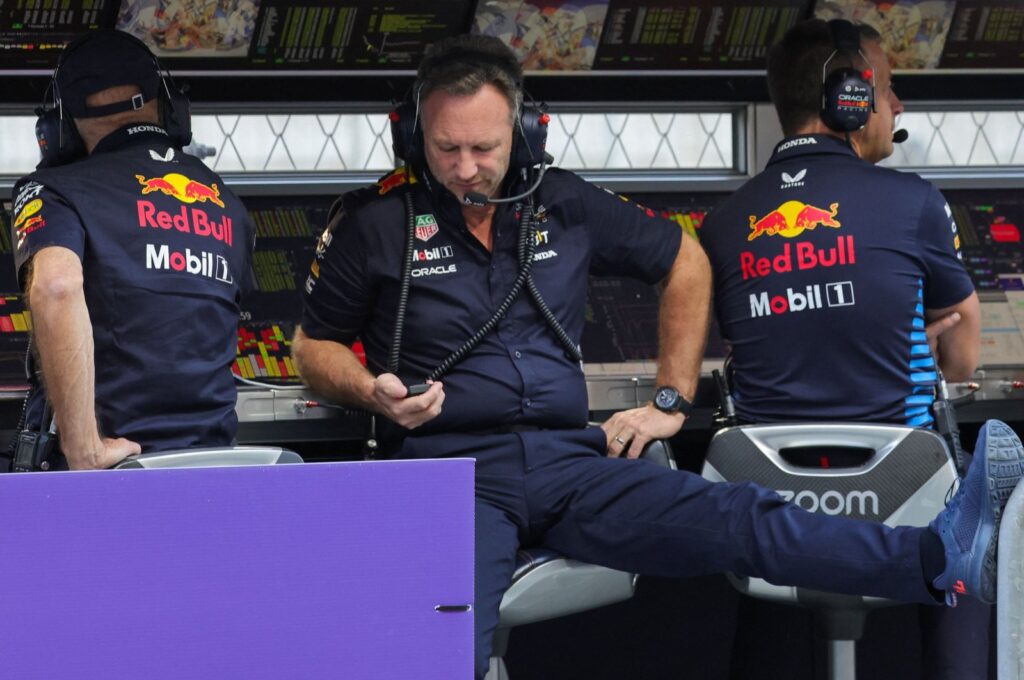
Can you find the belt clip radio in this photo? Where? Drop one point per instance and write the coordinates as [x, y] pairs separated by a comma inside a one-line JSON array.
[[34, 451]]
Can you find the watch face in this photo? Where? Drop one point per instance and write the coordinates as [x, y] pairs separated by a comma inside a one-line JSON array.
[[666, 398]]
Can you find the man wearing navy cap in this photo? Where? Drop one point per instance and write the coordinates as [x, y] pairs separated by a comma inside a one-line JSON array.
[[133, 256], [833, 275], [514, 398]]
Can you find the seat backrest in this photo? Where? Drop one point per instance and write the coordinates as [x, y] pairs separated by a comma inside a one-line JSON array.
[[659, 452], [887, 473], [212, 457]]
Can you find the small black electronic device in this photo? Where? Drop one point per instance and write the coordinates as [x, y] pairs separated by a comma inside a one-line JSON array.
[[847, 94], [34, 451]]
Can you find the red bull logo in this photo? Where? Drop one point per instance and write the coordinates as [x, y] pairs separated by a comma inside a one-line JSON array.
[[805, 255], [28, 226], [185, 189], [394, 180], [791, 218], [188, 221]]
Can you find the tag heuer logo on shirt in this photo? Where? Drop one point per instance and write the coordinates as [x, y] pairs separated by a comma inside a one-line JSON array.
[[426, 227]]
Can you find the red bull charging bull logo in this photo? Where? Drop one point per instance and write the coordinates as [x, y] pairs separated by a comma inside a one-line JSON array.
[[185, 189], [791, 218], [395, 180]]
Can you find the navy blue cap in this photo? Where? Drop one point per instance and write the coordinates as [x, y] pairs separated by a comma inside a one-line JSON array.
[[100, 60]]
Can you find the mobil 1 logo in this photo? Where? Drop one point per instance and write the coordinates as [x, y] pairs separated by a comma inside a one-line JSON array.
[[817, 296]]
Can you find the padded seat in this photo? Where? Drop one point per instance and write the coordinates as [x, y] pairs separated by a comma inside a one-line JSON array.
[[886, 473], [546, 585]]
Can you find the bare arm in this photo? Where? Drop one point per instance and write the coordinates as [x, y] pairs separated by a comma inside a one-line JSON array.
[[331, 369], [683, 319], [955, 335], [62, 332], [682, 332]]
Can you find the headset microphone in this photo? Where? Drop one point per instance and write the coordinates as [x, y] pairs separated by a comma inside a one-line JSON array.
[[478, 200], [900, 136]]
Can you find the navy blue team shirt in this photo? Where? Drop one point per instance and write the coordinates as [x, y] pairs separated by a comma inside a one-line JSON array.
[[823, 266], [519, 374], [166, 252]]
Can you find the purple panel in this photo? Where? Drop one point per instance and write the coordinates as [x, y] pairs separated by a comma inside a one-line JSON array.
[[288, 571]]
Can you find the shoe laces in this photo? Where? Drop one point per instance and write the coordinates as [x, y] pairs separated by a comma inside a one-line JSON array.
[[952, 500]]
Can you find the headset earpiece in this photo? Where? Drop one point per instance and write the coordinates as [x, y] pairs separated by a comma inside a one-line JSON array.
[[847, 94], [57, 136], [406, 138], [529, 133], [530, 137], [175, 111]]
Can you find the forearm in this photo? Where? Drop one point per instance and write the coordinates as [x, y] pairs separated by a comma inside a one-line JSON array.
[[959, 347], [683, 319], [333, 371], [63, 338]]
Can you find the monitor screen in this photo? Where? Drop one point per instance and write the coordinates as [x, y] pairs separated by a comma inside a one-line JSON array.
[[239, 34], [15, 321], [191, 28], [352, 35], [286, 233], [990, 225], [546, 35], [33, 32], [986, 34], [622, 314], [913, 31], [700, 34]]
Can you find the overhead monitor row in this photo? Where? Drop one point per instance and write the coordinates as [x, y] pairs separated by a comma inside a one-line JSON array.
[[548, 35]]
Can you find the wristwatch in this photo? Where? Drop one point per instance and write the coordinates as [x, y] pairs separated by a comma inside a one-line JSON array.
[[668, 400]]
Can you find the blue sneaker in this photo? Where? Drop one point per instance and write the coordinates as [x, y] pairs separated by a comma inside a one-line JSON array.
[[969, 525]]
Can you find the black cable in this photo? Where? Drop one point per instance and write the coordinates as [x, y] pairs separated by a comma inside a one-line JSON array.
[[403, 292], [570, 347], [525, 252], [24, 403]]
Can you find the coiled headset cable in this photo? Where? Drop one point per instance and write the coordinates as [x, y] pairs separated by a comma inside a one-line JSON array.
[[525, 253]]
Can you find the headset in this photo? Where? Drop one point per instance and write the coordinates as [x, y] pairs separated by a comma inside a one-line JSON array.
[[529, 138], [58, 137], [847, 94]]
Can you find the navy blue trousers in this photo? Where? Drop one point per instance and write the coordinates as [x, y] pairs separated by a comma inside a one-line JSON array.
[[557, 488]]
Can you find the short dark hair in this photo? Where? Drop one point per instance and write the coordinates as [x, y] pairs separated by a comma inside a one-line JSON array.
[[794, 70], [463, 64]]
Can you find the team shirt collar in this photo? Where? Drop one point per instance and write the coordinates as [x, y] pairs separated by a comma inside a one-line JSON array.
[[130, 135], [807, 145]]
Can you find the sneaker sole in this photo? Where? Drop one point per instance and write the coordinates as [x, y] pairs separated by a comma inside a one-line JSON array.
[[1004, 463]]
